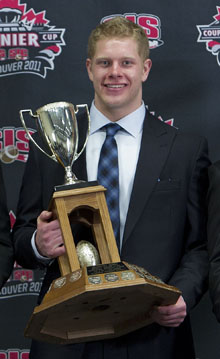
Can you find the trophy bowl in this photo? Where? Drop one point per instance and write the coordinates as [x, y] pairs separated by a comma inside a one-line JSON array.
[[57, 126]]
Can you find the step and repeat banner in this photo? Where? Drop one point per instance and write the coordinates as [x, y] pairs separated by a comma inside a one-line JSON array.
[[43, 46]]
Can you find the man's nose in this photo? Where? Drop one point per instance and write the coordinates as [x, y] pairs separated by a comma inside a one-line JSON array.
[[115, 69]]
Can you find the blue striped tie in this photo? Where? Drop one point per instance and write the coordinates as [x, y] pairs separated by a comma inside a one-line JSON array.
[[108, 176]]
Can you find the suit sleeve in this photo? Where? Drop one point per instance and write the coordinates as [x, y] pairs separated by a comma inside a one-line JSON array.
[[29, 207], [192, 273], [214, 236], [6, 248]]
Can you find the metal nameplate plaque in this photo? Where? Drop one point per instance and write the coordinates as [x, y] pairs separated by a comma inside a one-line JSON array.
[[106, 268]]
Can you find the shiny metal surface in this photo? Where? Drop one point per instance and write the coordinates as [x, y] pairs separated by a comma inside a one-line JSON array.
[[87, 254], [57, 123], [57, 126]]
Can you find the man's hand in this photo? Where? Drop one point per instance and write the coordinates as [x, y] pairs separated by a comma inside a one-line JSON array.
[[49, 241], [170, 315]]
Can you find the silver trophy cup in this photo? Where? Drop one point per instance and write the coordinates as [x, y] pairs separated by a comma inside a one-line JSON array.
[[57, 125]]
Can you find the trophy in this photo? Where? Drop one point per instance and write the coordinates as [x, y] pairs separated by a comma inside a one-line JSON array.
[[97, 296], [57, 125]]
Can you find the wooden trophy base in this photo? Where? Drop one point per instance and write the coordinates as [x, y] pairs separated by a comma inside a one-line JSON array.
[[100, 301]]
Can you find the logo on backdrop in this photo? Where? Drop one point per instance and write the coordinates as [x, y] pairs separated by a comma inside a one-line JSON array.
[[28, 44], [21, 282], [210, 34], [14, 145], [150, 23], [14, 354]]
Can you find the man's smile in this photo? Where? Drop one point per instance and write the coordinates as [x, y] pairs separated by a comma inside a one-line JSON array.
[[115, 86]]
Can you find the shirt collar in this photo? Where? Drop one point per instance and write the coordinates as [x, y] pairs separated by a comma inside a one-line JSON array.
[[132, 123]]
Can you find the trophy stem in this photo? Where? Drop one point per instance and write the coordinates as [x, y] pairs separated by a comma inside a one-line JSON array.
[[70, 178]]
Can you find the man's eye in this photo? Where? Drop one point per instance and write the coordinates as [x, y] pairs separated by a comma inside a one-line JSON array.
[[104, 63], [126, 62]]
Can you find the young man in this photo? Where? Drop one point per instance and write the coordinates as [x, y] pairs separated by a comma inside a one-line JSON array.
[[6, 248], [162, 180]]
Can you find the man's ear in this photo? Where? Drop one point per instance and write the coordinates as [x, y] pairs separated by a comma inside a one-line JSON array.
[[89, 68], [146, 69]]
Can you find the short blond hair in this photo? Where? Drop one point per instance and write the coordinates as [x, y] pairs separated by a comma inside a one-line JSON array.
[[119, 27]]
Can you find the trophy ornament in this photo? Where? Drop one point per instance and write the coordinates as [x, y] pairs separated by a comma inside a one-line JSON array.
[[87, 254], [57, 126]]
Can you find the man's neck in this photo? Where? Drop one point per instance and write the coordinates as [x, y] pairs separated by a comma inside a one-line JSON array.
[[115, 114]]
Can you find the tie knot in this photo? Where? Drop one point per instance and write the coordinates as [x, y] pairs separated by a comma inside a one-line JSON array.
[[112, 129]]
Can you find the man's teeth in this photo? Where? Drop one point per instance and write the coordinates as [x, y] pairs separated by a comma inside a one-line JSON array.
[[115, 86]]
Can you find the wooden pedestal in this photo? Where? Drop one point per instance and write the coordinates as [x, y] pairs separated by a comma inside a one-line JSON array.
[[84, 205], [97, 302]]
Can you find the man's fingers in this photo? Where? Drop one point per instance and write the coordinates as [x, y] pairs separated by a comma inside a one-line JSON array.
[[45, 216], [171, 315], [49, 241]]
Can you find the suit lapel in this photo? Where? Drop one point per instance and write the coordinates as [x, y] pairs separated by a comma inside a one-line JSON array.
[[156, 142]]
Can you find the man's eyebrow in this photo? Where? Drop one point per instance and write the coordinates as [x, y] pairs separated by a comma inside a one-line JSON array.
[[102, 58], [121, 58]]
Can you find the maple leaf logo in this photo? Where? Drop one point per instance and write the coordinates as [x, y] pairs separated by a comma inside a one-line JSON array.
[[28, 44], [210, 34]]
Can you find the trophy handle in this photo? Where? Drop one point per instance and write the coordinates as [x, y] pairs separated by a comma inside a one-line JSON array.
[[88, 130], [53, 157]]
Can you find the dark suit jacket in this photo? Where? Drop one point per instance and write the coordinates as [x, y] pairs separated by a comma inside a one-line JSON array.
[[214, 236], [165, 232], [6, 248]]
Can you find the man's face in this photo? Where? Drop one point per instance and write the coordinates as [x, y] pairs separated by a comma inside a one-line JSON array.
[[117, 72]]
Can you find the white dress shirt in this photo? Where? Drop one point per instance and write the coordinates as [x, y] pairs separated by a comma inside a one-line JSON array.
[[128, 142]]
